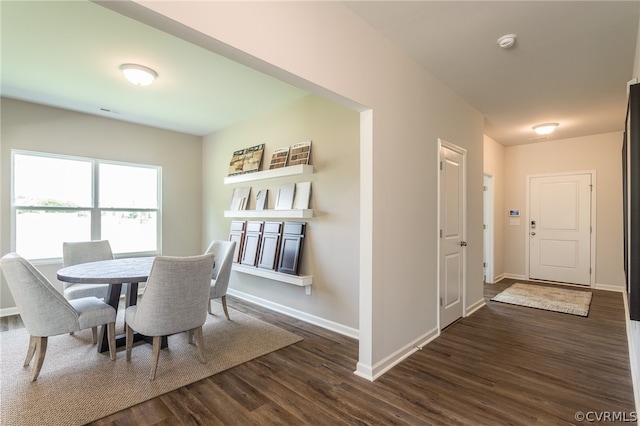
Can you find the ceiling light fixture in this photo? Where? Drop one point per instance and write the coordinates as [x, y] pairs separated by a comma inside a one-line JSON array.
[[545, 129], [138, 74], [506, 41]]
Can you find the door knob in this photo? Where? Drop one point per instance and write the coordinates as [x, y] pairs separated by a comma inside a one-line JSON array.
[[463, 243], [533, 233]]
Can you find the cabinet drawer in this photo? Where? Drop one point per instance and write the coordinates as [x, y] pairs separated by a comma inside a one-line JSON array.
[[238, 225], [294, 228], [272, 227], [254, 226]]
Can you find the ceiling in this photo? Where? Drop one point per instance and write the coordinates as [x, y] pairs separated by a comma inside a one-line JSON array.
[[570, 64], [67, 54]]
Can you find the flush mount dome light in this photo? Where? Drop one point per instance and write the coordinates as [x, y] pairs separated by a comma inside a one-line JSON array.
[[506, 41], [545, 129], [138, 74]]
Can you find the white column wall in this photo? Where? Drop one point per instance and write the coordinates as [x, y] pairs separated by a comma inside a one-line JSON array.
[[324, 47]]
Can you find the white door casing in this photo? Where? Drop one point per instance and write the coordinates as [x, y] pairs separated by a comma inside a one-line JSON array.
[[488, 229], [452, 222], [560, 228]]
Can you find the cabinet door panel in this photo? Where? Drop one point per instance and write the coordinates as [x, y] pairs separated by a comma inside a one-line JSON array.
[[236, 234], [252, 238], [251, 247], [269, 251], [238, 237], [290, 254]]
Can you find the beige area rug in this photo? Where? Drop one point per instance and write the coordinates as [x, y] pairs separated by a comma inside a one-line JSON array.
[[77, 384], [575, 302]]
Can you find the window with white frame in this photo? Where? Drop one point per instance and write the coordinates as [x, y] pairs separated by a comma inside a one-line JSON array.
[[60, 198]]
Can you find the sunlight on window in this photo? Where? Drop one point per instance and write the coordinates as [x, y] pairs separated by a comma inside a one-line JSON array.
[[130, 232], [50, 181], [40, 234], [128, 187], [54, 202]]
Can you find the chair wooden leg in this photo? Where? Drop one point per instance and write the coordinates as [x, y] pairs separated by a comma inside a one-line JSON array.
[[224, 306], [157, 341], [41, 350], [199, 343], [190, 336], [111, 339], [94, 335], [129, 341], [32, 350], [209, 307]]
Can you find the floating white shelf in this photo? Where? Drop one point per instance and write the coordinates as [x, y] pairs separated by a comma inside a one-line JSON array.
[[276, 214], [299, 170], [299, 280]]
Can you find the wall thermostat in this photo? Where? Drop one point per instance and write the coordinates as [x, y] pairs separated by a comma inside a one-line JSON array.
[[514, 213]]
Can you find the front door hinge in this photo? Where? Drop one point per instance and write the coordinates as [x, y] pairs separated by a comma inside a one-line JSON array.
[[441, 233], [441, 302]]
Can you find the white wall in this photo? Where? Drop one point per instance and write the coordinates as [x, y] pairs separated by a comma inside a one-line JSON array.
[[601, 153], [494, 166], [327, 49], [330, 250], [28, 126]]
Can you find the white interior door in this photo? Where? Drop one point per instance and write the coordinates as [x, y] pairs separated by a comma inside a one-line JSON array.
[[560, 228], [452, 234]]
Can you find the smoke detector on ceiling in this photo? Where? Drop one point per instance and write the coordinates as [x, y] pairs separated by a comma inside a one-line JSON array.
[[506, 41]]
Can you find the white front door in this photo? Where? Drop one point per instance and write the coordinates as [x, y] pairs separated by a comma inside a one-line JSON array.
[[452, 233], [560, 228]]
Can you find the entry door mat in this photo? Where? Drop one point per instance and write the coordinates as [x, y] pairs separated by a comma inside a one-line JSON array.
[[574, 302]]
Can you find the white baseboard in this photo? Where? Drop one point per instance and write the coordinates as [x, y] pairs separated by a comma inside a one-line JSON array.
[[498, 278], [371, 373], [514, 276], [312, 319], [609, 287], [474, 307]]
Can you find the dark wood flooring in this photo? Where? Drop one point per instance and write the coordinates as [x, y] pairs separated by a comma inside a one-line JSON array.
[[502, 365]]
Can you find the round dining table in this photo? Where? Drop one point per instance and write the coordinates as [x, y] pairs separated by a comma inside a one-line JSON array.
[[115, 272]]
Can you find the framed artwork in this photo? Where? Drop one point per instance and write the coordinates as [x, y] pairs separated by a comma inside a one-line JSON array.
[[300, 153], [246, 160], [279, 158]]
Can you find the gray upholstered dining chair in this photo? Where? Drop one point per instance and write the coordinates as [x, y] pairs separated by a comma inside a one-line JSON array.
[[175, 300], [223, 252], [45, 312], [74, 253]]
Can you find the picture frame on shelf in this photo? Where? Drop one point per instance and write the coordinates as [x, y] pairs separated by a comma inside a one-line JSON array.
[[240, 199], [284, 198], [300, 153], [246, 160], [279, 158], [261, 199], [302, 196], [253, 159]]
